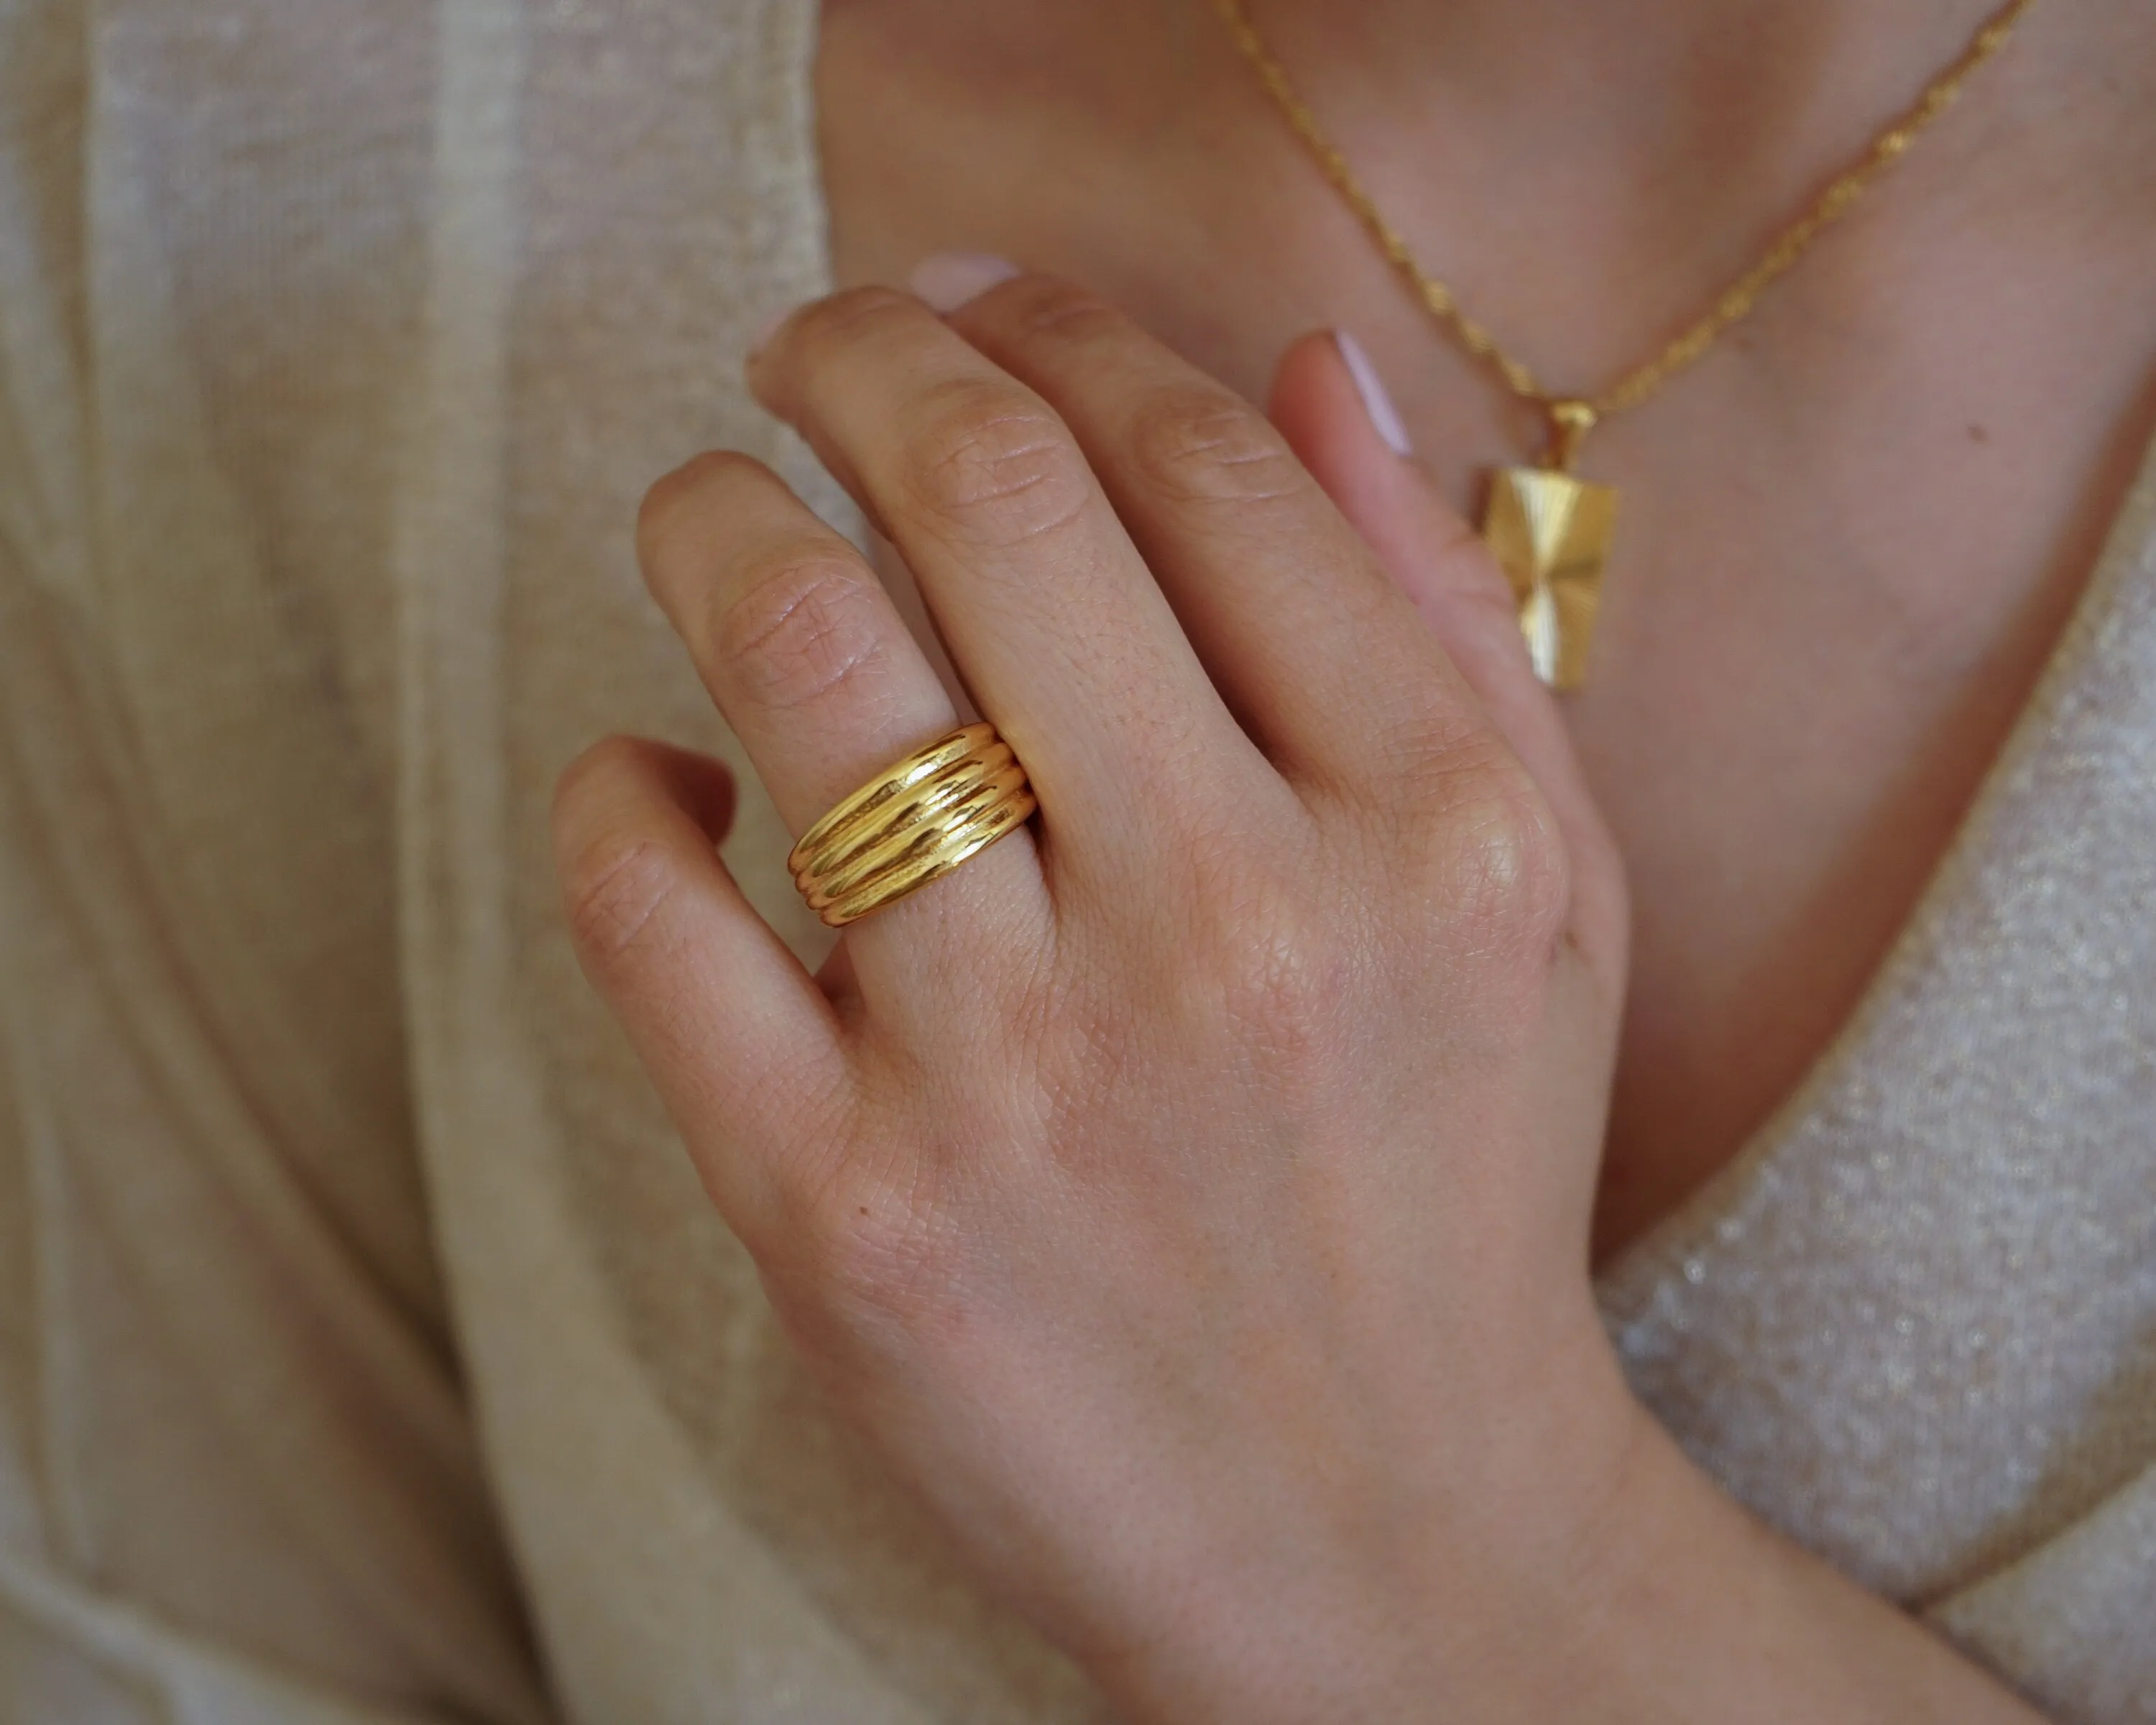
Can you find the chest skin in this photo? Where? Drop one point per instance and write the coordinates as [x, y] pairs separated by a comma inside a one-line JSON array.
[[1848, 540]]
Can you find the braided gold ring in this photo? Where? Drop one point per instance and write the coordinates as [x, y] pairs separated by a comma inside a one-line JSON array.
[[913, 823]]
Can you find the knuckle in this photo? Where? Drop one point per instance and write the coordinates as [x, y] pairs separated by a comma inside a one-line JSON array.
[[1200, 446], [1500, 863], [990, 465], [1278, 974], [807, 625], [614, 890]]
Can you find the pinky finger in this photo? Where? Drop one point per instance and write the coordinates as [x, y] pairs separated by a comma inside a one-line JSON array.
[[743, 1047]]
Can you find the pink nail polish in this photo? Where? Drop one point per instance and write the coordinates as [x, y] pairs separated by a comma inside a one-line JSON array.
[[948, 280], [1376, 402]]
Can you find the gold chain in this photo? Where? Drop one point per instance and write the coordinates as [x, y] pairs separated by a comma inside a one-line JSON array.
[[1571, 417]]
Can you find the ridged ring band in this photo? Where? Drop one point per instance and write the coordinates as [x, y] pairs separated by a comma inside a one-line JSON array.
[[913, 823]]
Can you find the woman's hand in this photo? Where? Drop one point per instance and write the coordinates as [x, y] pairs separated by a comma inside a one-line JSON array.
[[1190, 1198]]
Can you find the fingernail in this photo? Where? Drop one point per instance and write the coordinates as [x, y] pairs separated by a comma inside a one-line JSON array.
[[948, 280], [1384, 417]]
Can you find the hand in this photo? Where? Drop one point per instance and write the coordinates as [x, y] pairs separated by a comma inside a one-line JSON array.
[[1190, 1198], [1191, 1201]]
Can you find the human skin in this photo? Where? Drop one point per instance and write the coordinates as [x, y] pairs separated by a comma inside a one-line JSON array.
[[1848, 539], [1190, 1197]]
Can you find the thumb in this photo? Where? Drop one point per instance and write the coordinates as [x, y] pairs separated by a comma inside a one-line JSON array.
[[1329, 403]]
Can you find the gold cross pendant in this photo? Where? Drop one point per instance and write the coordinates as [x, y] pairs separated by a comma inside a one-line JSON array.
[[1552, 531]]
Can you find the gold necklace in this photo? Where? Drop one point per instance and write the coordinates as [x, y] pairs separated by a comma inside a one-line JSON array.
[[1550, 529]]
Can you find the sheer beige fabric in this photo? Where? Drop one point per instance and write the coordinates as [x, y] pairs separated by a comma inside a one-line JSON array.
[[366, 1351]]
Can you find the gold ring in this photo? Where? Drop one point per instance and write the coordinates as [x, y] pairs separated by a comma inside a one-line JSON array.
[[913, 823]]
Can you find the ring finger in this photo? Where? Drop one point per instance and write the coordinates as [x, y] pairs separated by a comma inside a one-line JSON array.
[[804, 653]]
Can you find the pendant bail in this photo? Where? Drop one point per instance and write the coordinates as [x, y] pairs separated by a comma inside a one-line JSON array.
[[1570, 420]]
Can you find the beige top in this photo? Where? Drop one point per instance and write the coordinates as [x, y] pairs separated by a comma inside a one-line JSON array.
[[361, 1326]]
